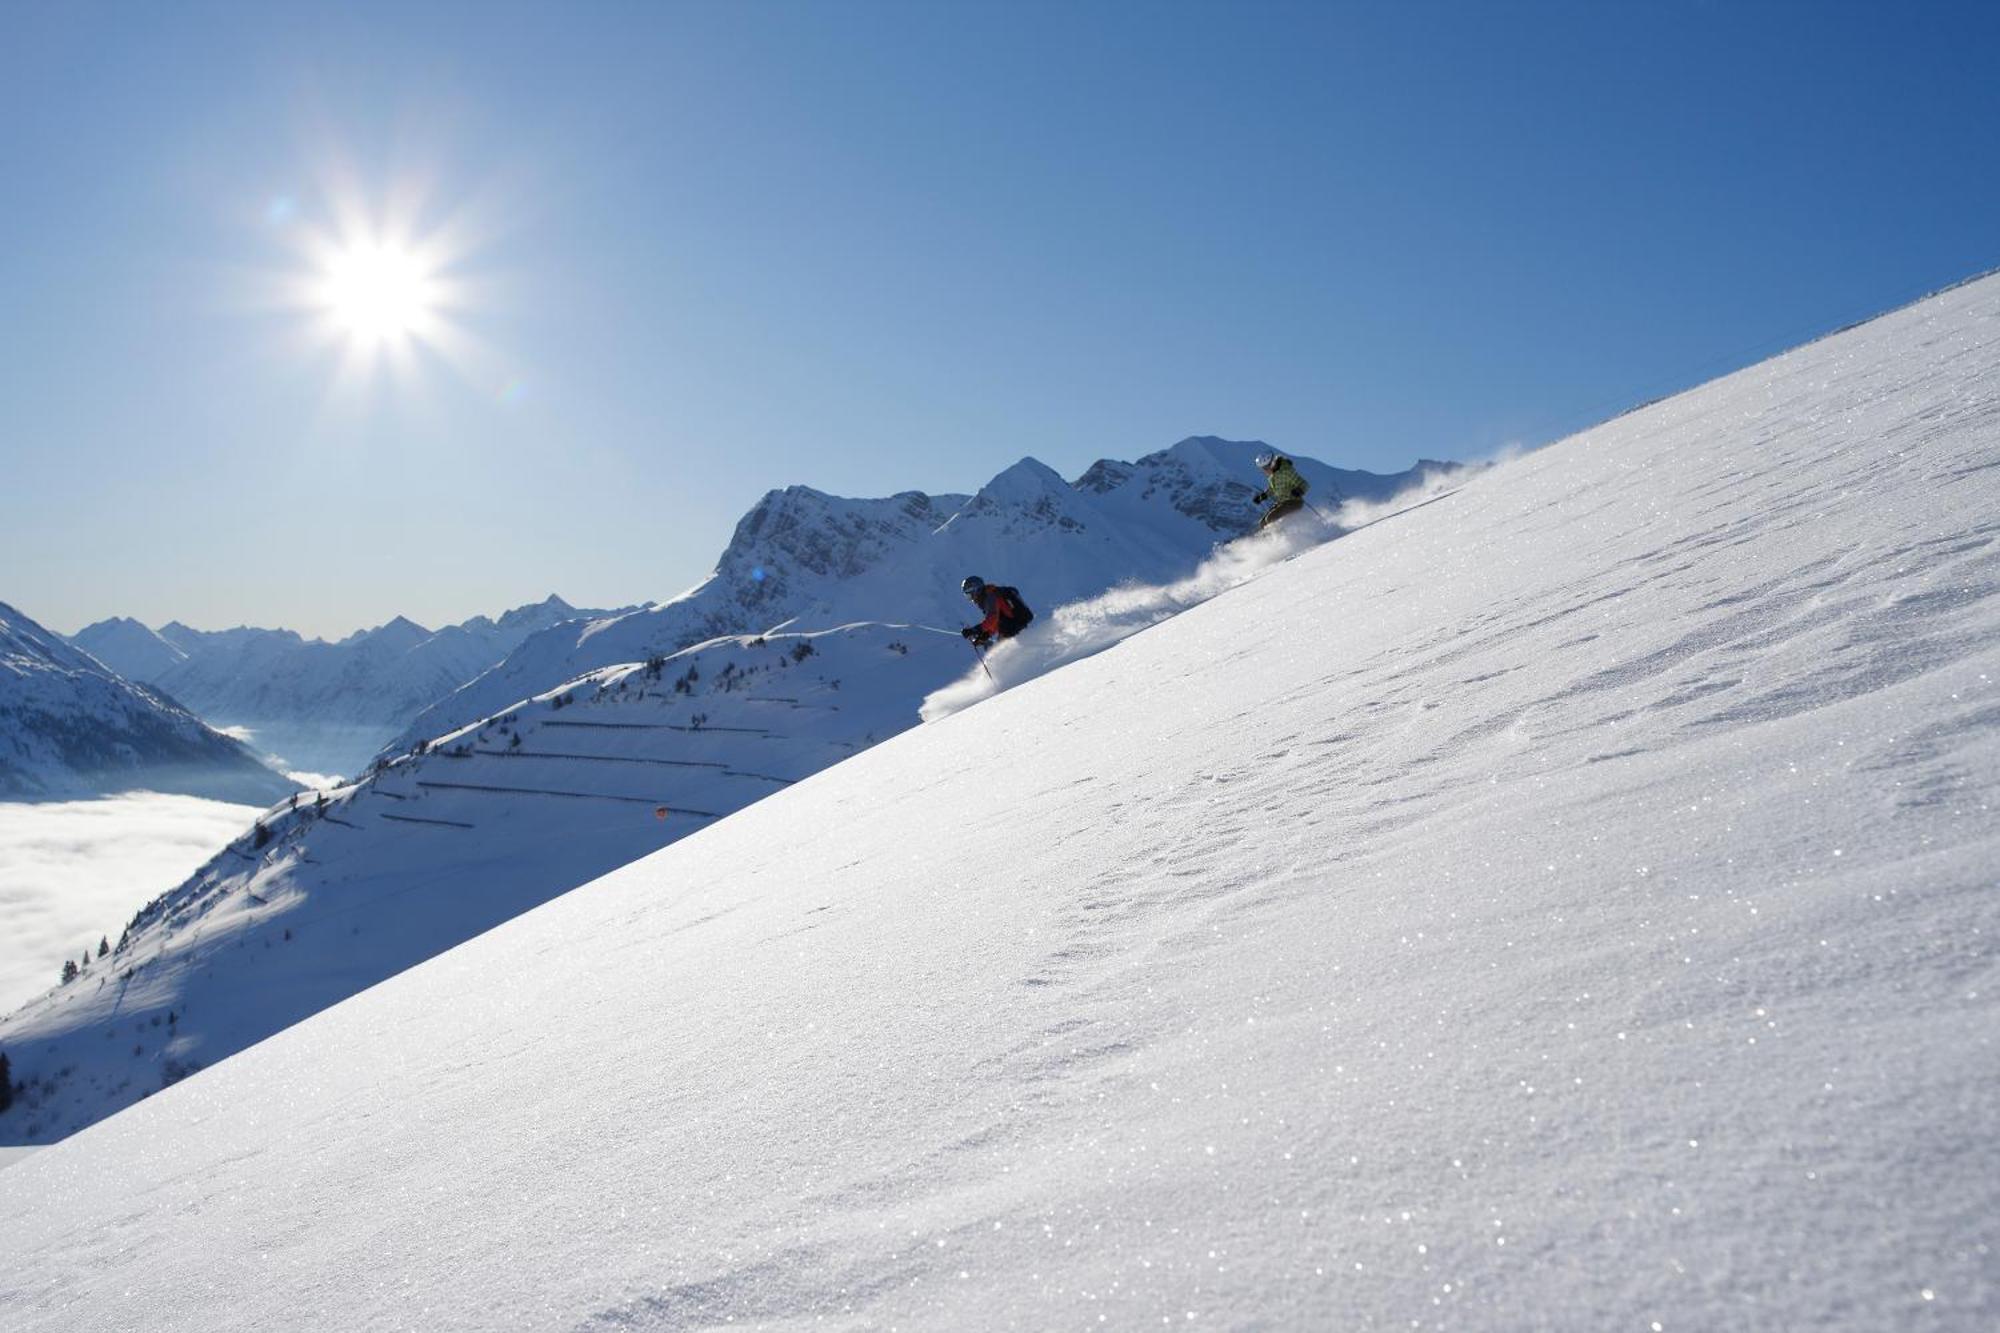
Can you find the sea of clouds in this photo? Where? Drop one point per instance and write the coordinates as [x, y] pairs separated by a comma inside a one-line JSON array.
[[74, 872]]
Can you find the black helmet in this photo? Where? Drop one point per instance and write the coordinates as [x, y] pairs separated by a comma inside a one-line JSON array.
[[973, 583]]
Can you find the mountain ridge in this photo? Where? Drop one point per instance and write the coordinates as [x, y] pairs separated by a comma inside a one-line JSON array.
[[800, 554], [70, 726], [325, 706]]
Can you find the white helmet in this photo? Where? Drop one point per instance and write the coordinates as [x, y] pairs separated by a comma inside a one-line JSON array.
[[1265, 461]]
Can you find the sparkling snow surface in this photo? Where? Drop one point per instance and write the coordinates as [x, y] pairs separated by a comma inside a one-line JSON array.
[[1566, 905]]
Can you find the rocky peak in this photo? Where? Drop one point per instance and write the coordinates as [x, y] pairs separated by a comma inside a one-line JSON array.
[[551, 610], [1029, 493]]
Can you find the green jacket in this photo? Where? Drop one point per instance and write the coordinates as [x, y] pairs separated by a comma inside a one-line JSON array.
[[1285, 484]]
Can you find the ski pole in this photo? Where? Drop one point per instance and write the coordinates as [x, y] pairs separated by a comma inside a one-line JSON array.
[[976, 652]]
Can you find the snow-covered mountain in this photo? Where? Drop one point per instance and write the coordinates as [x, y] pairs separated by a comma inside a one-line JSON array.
[[1566, 904], [130, 648], [69, 726], [802, 556], [324, 707], [1207, 482]]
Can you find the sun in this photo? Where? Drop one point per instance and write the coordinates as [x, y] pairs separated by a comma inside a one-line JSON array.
[[387, 286], [377, 293]]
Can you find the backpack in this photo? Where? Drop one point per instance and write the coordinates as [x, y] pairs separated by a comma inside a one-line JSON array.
[[1022, 615]]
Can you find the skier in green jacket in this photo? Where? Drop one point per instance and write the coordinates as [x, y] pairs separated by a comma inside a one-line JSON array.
[[1283, 487]]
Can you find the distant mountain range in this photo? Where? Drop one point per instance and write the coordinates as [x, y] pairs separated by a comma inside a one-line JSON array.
[[598, 741], [70, 726], [316, 706]]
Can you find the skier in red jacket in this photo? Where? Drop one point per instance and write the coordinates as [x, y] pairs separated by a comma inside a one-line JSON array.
[[1005, 613]]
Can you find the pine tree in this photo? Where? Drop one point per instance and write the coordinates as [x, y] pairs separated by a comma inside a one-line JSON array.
[[103, 945], [69, 970], [6, 1083]]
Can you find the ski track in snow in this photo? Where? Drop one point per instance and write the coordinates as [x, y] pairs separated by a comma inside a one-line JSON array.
[[1567, 906]]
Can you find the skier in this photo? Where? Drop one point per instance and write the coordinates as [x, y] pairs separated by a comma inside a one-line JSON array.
[[1283, 486], [1006, 614]]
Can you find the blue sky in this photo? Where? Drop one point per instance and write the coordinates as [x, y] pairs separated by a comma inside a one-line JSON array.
[[699, 251]]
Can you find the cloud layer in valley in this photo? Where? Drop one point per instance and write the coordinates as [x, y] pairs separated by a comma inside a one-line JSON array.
[[73, 872]]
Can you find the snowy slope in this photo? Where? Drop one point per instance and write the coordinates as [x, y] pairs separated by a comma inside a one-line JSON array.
[[326, 707], [71, 727], [803, 557], [1568, 904], [429, 851]]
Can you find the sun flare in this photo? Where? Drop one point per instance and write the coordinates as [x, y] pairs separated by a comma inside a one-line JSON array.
[[385, 286], [377, 293]]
